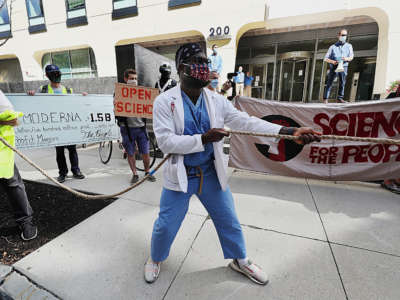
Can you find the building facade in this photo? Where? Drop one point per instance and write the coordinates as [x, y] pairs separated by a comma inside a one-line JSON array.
[[281, 43]]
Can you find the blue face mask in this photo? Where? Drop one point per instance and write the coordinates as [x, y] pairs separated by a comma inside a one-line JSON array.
[[342, 39], [214, 83]]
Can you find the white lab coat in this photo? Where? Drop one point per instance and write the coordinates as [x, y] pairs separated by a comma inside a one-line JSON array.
[[168, 124]]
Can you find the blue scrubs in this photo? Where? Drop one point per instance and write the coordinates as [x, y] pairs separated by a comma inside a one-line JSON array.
[[218, 203]]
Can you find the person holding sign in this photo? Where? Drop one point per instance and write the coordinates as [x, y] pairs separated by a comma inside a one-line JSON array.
[[10, 179], [338, 56], [134, 134], [188, 123], [53, 73]]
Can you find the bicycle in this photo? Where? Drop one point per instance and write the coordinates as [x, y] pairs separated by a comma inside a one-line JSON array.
[[106, 148]]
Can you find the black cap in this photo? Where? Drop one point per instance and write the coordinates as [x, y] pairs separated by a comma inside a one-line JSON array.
[[52, 68]]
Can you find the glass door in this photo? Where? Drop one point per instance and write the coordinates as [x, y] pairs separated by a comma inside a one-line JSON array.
[[269, 81], [286, 81], [299, 80], [258, 88]]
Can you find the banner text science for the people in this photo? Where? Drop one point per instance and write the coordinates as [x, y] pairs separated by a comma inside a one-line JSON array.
[[329, 159]]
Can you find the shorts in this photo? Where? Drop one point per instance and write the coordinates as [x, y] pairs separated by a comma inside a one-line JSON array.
[[138, 137]]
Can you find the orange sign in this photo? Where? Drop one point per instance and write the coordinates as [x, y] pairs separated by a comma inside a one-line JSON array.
[[134, 101]]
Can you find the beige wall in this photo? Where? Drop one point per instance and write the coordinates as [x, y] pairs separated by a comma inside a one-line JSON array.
[[155, 22]]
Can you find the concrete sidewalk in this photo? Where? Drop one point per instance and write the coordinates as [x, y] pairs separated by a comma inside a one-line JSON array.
[[317, 240]]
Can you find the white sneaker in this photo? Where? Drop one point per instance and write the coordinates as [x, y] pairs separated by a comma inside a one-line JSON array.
[[151, 271], [252, 271]]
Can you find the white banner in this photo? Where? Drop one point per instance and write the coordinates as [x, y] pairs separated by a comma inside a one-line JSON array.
[[328, 160], [57, 120]]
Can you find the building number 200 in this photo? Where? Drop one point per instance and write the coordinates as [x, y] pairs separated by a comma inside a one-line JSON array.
[[218, 30]]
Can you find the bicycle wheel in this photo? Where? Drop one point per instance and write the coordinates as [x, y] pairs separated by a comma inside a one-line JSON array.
[[139, 159], [105, 151]]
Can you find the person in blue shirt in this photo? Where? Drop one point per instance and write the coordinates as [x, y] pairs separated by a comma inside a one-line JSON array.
[[189, 124], [248, 80], [338, 52], [239, 80], [215, 63]]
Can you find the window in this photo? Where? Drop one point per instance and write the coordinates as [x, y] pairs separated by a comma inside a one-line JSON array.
[[5, 28], [124, 8], [35, 15], [76, 13], [179, 3], [79, 63]]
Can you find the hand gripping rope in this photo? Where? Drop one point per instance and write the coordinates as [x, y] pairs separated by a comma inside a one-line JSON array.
[[287, 137]]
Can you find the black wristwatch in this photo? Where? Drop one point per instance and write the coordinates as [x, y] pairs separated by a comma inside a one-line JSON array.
[[288, 130]]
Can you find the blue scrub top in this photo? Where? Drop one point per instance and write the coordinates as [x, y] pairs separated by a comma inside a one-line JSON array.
[[197, 121]]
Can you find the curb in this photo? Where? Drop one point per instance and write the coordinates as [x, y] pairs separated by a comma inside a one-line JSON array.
[[16, 285]]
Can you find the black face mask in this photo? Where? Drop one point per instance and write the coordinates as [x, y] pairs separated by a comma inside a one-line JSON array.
[[54, 77], [195, 76], [165, 74]]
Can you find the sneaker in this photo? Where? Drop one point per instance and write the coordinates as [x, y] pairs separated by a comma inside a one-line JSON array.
[[252, 271], [151, 178], [341, 101], [28, 231], [78, 175], [135, 178], [61, 178], [151, 271], [393, 187]]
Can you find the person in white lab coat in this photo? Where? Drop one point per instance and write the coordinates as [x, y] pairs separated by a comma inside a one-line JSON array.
[[188, 123]]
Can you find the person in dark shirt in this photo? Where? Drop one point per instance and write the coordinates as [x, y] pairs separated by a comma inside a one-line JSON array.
[[165, 82]]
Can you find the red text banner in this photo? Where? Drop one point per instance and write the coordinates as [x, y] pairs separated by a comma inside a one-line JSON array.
[[328, 160], [134, 101]]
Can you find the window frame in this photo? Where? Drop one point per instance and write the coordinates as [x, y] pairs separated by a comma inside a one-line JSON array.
[[70, 74], [38, 27], [172, 4], [125, 12], [6, 33], [76, 21]]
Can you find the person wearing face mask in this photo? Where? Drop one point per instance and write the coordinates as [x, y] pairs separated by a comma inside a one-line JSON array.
[[134, 133], [341, 51], [189, 124], [214, 81], [239, 80], [215, 60], [165, 82], [53, 73]]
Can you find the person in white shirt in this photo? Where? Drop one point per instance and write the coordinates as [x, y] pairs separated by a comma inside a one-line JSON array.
[[188, 123]]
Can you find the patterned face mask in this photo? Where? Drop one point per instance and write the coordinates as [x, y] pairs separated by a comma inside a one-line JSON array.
[[198, 71]]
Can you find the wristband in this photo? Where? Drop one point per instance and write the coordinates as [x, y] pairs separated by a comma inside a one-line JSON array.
[[288, 130]]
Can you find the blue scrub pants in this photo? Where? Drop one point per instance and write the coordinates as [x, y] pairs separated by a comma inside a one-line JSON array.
[[218, 203]]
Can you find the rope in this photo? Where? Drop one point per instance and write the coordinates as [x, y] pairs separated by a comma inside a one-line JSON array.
[[79, 194], [323, 137], [287, 137]]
